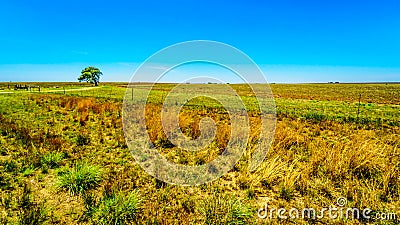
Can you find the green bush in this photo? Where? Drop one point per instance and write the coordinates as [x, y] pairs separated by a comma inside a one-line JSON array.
[[116, 208], [80, 178], [51, 160], [224, 210]]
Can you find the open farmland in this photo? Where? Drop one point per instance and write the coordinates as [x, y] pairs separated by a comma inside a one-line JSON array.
[[64, 159]]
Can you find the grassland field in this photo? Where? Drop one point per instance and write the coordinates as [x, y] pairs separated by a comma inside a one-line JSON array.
[[64, 159]]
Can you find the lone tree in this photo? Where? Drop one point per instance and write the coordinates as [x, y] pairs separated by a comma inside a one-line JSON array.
[[91, 74]]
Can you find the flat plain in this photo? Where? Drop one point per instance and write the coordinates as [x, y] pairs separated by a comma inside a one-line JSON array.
[[64, 159]]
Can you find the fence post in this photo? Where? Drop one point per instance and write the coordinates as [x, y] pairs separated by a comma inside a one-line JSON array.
[[358, 108]]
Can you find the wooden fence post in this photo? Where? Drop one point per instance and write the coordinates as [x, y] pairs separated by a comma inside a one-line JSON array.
[[358, 108]]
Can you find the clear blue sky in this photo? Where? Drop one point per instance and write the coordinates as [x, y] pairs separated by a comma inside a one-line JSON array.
[[292, 41]]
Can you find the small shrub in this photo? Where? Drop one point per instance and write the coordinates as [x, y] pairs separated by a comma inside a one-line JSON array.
[[117, 208], [80, 178], [51, 160], [224, 210]]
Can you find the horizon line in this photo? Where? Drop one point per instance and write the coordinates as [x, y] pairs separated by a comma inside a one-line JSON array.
[[145, 82]]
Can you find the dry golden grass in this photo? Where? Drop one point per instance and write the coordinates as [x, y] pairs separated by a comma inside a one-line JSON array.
[[310, 164]]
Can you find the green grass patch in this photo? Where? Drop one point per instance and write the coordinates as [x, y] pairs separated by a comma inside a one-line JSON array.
[[80, 178]]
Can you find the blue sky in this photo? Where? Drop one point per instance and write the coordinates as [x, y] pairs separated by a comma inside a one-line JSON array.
[[292, 41]]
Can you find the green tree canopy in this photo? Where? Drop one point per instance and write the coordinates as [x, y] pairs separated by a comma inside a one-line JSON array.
[[91, 74]]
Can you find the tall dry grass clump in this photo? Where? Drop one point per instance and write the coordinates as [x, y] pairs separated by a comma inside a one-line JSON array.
[[317, 163]]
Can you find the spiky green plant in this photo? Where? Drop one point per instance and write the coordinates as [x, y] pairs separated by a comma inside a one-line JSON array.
[[80, 178]]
